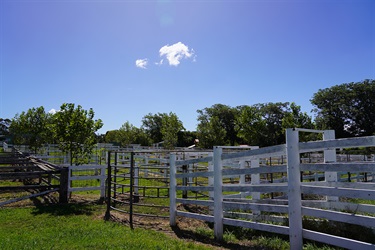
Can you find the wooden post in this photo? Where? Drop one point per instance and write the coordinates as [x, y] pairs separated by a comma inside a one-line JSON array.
[[218, 194], [172, 190], [64, 185], [294, 189]]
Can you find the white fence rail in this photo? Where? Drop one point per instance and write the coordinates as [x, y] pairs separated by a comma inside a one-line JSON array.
[[237, 202], [87, 178]]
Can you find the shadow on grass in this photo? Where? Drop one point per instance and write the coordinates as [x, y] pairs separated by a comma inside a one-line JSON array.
[[187, 234], [63, 209]]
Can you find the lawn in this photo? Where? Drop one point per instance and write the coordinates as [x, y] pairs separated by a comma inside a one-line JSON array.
[[81, 226], [76, 226]]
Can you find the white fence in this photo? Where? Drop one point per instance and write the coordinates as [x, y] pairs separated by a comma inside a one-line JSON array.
[[87, 178], [236, 202]]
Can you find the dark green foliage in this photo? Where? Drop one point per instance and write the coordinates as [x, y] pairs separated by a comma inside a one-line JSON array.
[[257, 125], [163, 127], [186, 138], [217, 126], [32, 128], [74, 130], [347, 108]]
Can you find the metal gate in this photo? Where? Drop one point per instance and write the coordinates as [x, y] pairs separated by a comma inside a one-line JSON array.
[[138, 184]]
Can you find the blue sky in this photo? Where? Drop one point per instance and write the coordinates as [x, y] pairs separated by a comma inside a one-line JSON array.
[[191, 54]]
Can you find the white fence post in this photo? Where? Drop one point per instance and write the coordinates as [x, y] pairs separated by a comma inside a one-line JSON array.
[[211, 180], [242, 165], [190, 170], [136, 179], [255, 180], [218, 193], [294, 189], [69, 181], [172, 190], [329, 157]]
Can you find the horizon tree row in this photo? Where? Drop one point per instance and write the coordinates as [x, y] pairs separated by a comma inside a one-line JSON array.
[[347, 108]]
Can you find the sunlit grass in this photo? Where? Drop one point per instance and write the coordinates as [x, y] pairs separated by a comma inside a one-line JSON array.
[[76, 227]]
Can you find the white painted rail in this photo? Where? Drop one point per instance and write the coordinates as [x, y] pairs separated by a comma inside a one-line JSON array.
[[297, 189], [97, 172]]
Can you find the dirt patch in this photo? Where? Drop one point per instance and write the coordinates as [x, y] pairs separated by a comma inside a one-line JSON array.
[[186, 229]]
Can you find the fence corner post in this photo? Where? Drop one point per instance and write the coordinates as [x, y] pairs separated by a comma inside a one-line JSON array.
[[172, 190], [218, 194], [294, 189], [64, 185]]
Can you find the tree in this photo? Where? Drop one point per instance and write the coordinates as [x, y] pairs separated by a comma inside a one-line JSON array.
[[152, 125], [186, 138], [297, 119], [32, 128], [347, 108], [170, 128], [4, 128], [272, 115], [162, 127], [362, 108], [250, 126], [74, 130], [218, 118], [130, 134], [113, 136], [211, 132]]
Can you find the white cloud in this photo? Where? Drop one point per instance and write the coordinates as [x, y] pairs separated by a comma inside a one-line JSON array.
[[159, 63], [53, 111], [175, 53], [141, 63]]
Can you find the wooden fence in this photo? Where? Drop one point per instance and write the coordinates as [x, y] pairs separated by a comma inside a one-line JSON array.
[[240, 191]]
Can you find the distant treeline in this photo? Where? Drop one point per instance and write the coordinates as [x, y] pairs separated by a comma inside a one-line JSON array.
[[348, 108]]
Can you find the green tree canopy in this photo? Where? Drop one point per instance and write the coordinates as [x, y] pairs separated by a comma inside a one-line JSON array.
[[298, 119], [217, 125], [32, 128], [152, 125], [163, 127], [257, 125], [171, 126], [74, 130], [250, 126], [347, 108], [130, 134]]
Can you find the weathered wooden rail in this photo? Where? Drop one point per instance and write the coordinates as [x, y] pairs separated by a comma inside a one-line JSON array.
[[29, 176]]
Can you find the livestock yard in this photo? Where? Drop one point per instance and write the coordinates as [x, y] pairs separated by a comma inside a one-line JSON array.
[[296, 195]]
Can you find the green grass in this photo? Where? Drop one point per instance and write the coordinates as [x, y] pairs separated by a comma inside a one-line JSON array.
[[76, 227]]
